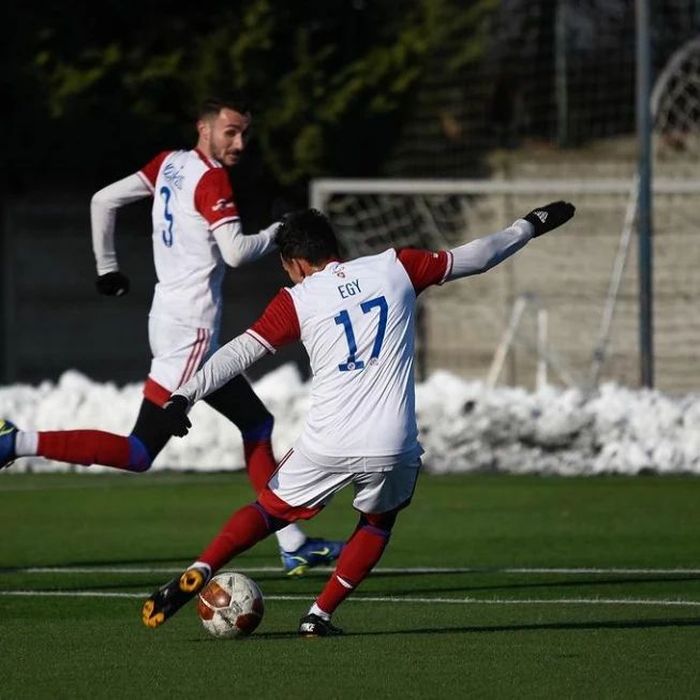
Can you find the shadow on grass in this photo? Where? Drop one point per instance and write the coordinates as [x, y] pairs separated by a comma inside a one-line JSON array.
[[481, 629], [401, 584], [546, 626]]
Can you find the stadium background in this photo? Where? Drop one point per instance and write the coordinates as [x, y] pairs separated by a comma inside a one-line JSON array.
[[501, 91]]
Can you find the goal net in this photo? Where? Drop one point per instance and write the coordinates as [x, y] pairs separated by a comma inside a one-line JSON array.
[[566, 273], [675, 105], [584, 277]]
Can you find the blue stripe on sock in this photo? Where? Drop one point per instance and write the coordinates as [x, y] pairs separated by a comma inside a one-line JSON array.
[[139, 459], [377, 531], [259, 432]]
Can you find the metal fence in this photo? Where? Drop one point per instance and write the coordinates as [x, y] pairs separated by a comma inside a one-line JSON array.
[[51, 317], [568, 274]]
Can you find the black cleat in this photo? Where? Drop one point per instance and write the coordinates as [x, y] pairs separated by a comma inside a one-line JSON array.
[[314, 626], [168, 599]]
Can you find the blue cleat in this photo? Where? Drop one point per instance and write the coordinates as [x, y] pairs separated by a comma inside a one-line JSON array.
[[313, 552], [8, 435]]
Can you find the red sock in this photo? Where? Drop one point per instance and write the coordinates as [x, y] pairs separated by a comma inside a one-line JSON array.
[[359, 556], [259, 462], [85, 447], [243, 529]]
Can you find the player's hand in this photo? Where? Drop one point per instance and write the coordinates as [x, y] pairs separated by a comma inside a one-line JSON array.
[[113, 284], [175, 415], [550, 216]]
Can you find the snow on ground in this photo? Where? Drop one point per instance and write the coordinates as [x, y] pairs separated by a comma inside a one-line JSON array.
[[464, 426]]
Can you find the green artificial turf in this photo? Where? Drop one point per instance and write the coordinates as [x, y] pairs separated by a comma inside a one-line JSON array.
[[526, 587]]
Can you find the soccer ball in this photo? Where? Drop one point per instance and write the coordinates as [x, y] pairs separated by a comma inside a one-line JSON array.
[[231, 605]]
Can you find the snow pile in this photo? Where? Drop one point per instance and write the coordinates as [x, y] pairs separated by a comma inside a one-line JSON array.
[[464, 426], [617, 430]]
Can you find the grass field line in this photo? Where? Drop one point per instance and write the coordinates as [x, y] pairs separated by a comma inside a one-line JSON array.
[[390, 599], [380, 570]]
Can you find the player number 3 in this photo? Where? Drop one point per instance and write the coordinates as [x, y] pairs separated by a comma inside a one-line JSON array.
[[167, 233], [343, 319]]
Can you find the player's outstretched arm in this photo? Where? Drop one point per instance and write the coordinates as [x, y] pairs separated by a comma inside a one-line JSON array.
[[238, 249], [103, 211], [482, 254]]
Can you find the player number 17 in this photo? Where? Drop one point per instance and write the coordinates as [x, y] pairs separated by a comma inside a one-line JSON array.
[[343, 319]]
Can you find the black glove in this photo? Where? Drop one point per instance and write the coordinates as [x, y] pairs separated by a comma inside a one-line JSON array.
[[113, 284], [174, 415], [550, 216]]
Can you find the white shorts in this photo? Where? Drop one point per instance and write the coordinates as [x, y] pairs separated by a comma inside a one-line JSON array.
[[299, 488], [178, 352]]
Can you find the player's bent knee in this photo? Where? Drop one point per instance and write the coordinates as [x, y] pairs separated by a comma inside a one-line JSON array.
[[273, 522], [382, 522]]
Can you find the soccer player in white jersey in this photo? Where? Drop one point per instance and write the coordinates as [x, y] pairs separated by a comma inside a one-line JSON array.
[[356, 321], [196, 233]]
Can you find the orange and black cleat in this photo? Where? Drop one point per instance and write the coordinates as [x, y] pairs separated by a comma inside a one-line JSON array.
[[168, 599]]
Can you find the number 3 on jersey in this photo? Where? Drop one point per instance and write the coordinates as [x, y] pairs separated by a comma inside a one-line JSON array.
[[167, 233], [343, 319]]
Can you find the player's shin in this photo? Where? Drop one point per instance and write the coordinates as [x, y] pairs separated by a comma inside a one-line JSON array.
[[241, 531], [359, 556]]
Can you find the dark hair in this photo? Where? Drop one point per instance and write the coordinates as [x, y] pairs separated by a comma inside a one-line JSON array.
[[307, 234], [213, 105]]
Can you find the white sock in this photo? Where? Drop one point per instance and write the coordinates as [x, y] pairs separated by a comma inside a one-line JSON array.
[[26, 443], [315, 610], [201, 565], [290, 538]]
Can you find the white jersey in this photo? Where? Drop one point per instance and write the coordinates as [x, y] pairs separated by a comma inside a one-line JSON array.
[[356, 321], [192, 196]]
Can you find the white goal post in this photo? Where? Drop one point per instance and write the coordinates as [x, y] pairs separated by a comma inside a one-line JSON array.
[[570, 273]]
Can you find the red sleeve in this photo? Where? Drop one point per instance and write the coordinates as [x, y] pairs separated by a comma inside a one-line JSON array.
[[150, 171], [213, 198], [424, 267], [279, 323]]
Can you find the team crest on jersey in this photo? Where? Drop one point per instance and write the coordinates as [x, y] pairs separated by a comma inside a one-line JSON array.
[[222, 204], [339, 271], [174, 175]]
